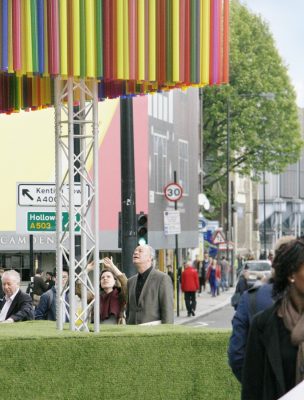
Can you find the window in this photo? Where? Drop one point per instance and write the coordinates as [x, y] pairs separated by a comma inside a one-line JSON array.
[[289, 182], [159, 160], [183, 164], [160, 106]]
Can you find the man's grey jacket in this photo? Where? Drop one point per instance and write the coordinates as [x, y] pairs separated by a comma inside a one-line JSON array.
[[155, 302]]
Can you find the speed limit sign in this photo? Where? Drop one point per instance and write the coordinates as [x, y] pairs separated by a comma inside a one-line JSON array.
[[173, 191]]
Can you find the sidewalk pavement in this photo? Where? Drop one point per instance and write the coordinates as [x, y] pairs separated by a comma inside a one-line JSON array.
[[206, 304]]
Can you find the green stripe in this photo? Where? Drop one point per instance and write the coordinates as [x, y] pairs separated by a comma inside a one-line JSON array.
[[16, 87], [99, 49], [193, 54], [34, 28]]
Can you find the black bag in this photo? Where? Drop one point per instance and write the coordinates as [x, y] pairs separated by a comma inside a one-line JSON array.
[[235, 299], [30, 288]]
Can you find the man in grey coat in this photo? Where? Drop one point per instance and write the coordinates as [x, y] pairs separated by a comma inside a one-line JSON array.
[[150, 292]]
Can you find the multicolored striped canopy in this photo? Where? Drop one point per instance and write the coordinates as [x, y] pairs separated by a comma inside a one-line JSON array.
[[130, 46]]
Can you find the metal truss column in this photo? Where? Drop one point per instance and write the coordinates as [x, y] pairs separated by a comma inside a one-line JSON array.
[[77, 199]]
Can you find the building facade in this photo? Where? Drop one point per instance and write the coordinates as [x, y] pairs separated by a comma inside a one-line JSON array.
[[166, 131], [281, 202]]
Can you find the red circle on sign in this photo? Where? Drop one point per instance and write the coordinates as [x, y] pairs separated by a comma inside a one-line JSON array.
[[173, 191]]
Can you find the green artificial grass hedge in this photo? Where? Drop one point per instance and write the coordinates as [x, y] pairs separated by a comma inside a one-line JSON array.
[[120, 362]]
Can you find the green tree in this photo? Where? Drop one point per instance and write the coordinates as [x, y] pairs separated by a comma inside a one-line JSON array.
[[264, 133]]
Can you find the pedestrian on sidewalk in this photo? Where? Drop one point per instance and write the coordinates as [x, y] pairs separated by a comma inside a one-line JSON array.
[[214, 276], [224, 273], [170, 273], [190, 284], [205, 265], [199, 266]]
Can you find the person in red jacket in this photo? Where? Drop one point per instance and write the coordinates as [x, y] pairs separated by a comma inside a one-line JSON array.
[[190, 284]]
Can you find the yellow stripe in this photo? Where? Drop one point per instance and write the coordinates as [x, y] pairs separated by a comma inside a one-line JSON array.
[[120, 39], [175, 5], [205, 40], [126, 40], [141, 39], [90, 39], [152, 40], [23, 39], [76, 39], [63, 38]]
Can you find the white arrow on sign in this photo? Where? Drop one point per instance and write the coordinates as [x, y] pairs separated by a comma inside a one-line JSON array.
[[44, 194]]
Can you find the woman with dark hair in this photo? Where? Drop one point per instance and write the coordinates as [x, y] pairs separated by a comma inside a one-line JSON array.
[[274, 361], [113, 295]]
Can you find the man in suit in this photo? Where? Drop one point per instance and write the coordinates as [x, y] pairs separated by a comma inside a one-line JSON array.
[[16, 306], [150, 292]]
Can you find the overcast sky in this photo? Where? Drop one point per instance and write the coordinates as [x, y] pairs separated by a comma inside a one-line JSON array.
[[286, 22]]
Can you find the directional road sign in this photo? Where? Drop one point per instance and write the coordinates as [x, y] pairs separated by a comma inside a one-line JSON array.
[[44, 194], [36, 220], [46, 221]]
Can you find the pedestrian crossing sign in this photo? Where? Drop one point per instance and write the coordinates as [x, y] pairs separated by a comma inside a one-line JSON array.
[[218, 238]]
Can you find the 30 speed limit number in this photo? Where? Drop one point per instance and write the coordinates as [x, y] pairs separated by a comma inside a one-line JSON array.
[[173, 191]]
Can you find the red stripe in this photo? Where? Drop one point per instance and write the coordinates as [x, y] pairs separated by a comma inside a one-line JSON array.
[[106, 39], [226, 43]]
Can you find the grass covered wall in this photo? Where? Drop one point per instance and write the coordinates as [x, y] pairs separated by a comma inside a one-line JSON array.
[[121, 362]]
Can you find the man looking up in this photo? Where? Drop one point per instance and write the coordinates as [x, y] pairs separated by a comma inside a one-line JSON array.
[[150, 292], [15, 306]]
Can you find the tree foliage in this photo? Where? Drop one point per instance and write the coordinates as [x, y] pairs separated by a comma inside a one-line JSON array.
[[264, 133]]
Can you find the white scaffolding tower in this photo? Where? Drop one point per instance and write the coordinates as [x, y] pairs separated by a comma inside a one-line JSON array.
[[76, 104]]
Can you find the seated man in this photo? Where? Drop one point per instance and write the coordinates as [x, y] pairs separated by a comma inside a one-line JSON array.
[[15, 306], [46, 308]]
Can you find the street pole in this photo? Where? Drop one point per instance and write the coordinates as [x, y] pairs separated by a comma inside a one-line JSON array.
[[228, 235], [128, 201], [76, 129], [32, 266], [176, 258], [264, 222]]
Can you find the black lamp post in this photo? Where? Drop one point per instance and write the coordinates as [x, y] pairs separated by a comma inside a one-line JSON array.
[[228, 234], [264, 222]]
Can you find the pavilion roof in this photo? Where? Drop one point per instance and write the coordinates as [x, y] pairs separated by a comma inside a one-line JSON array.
[[130, 46]]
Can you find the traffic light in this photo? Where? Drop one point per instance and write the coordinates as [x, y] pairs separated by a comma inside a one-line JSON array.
[[142, 228]]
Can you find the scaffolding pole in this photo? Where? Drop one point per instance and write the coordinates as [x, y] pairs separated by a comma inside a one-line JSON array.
[[77, 198]]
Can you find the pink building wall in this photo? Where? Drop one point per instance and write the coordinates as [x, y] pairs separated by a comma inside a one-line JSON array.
[[109, 166]]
